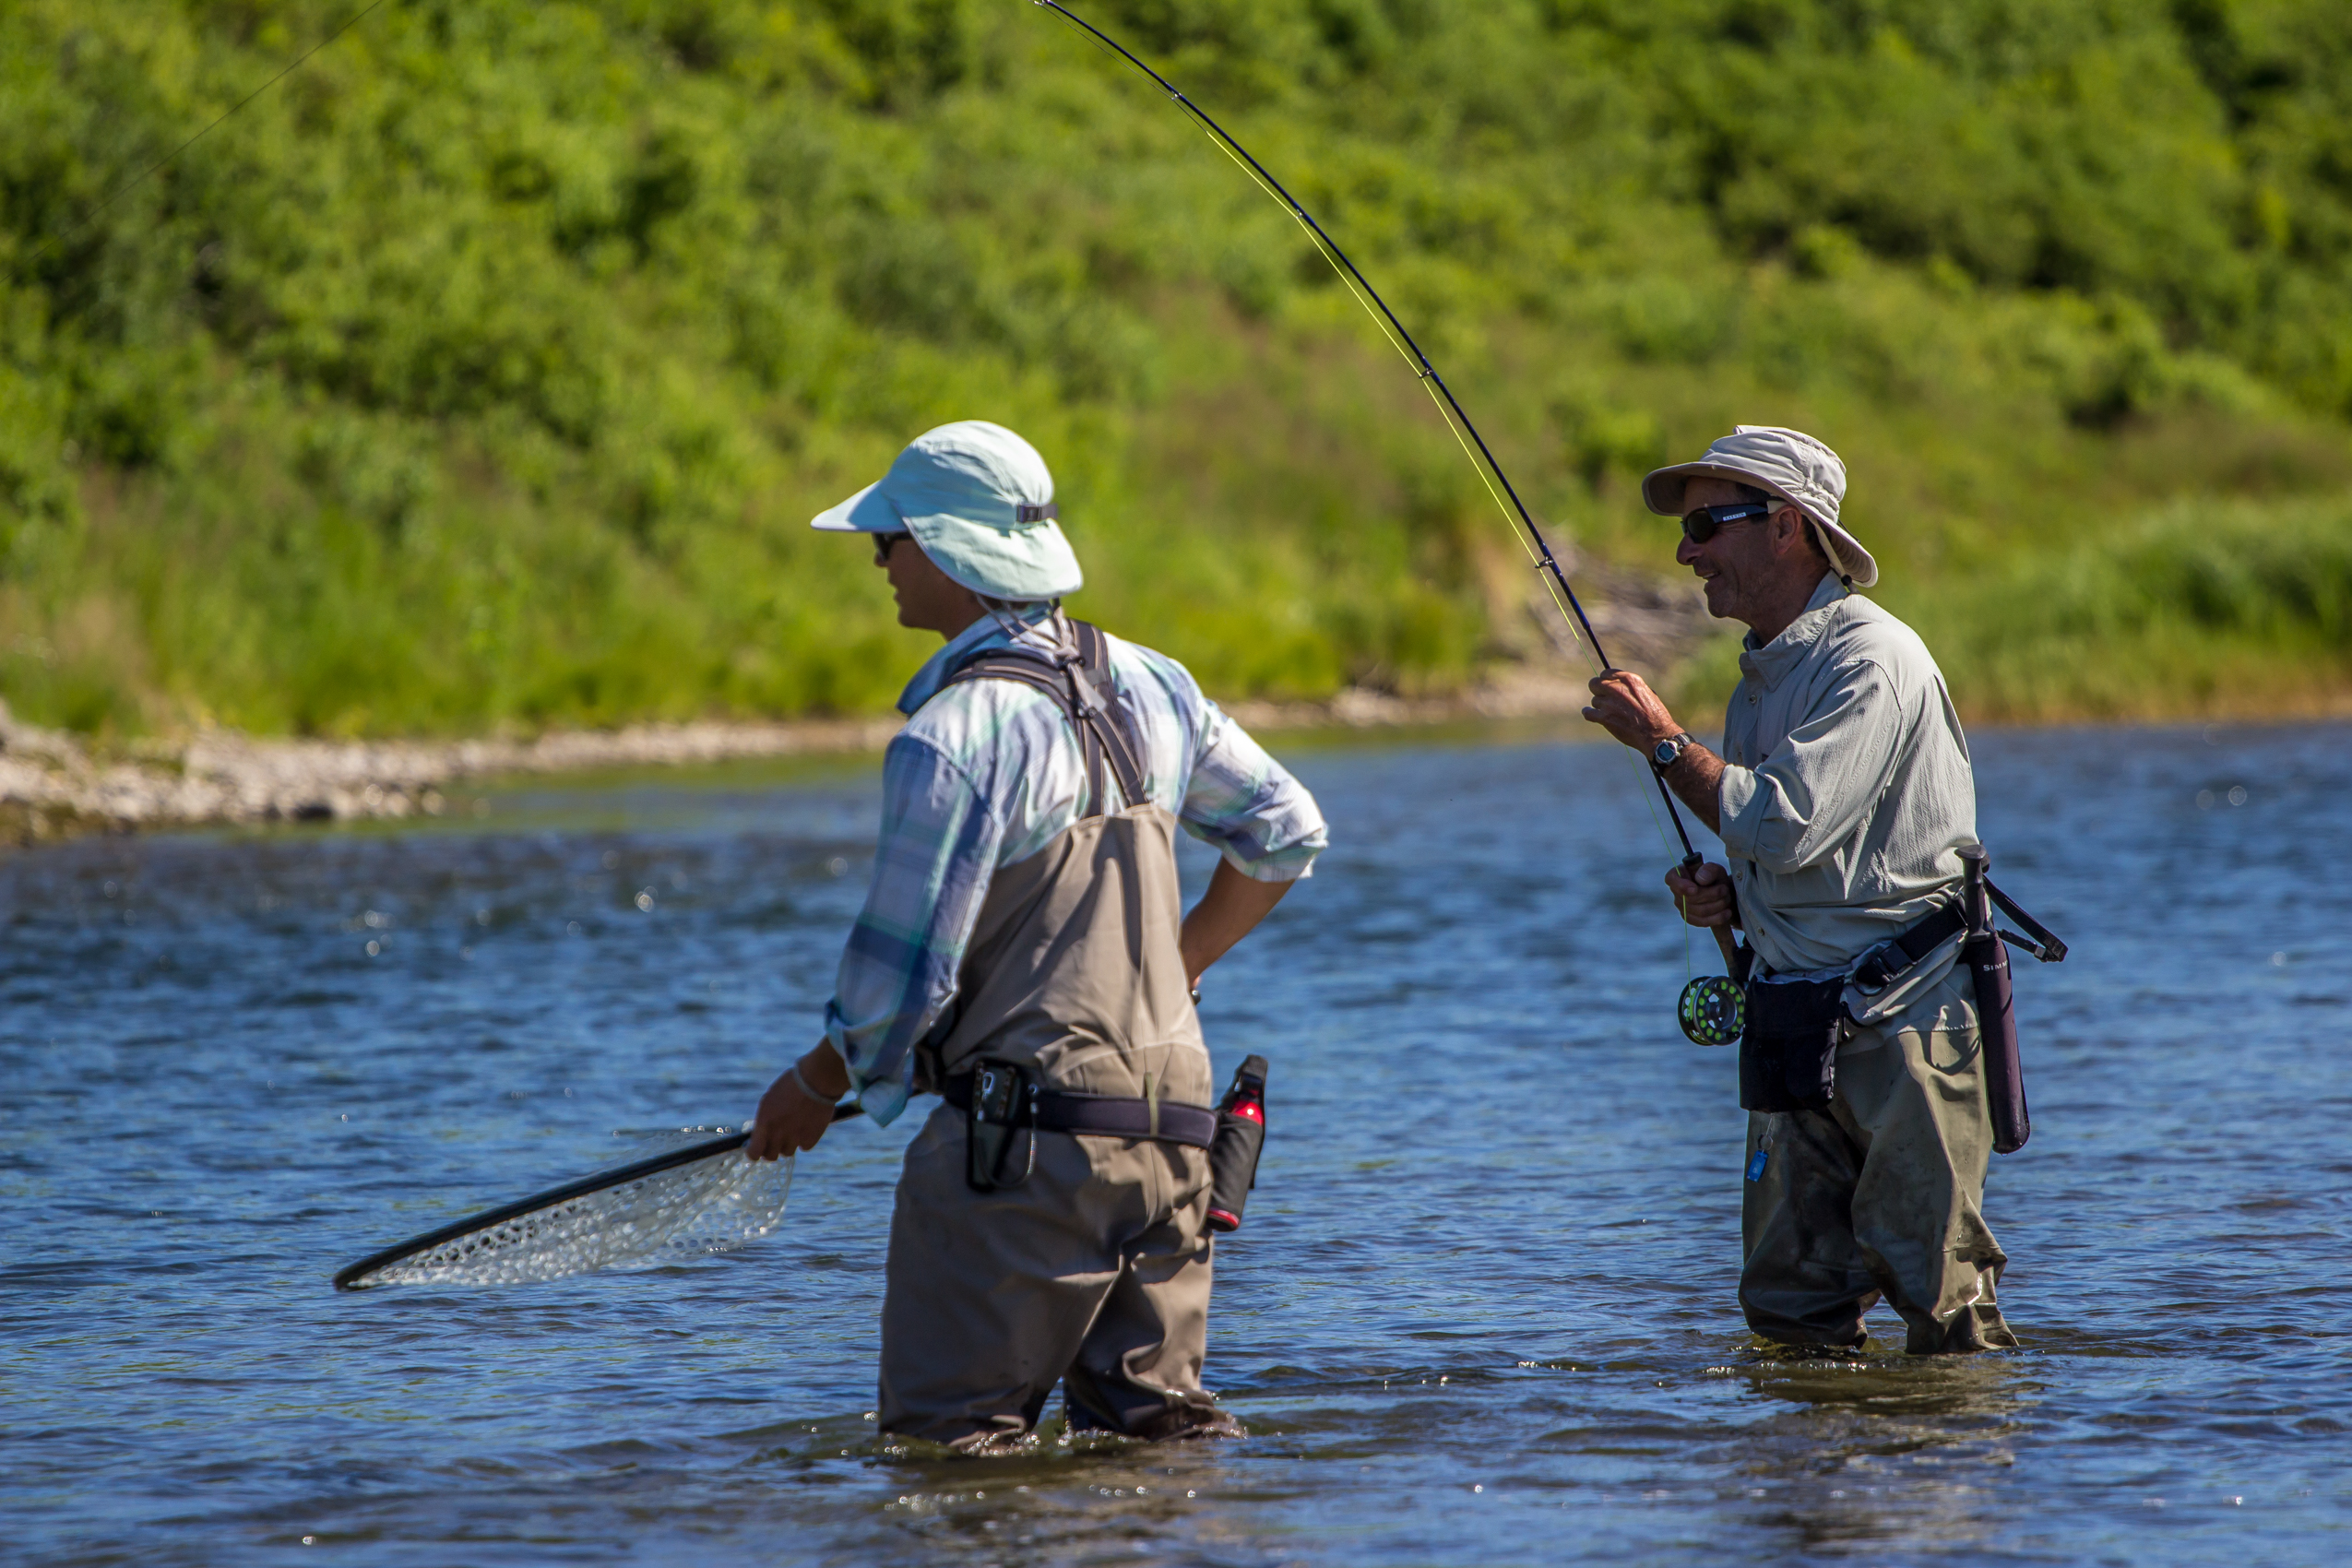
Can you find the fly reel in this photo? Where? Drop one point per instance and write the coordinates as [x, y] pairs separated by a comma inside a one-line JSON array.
[[1714, 1010]]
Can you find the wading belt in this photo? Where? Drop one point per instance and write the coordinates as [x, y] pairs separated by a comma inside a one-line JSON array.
[[1103, 1115], [1878, 967], [1081, 687]]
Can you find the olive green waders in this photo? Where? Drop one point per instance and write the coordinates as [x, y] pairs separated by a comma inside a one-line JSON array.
[[1879, 1195], [1095, 1271]]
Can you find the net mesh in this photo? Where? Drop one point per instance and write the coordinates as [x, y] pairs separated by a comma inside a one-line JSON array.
[[713, 1204]]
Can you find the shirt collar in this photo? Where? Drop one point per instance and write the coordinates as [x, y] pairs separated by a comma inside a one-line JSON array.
[[1771, 662], [982, 635]]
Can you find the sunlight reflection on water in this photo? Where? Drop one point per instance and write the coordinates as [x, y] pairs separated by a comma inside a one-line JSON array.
[[1482, 1310]]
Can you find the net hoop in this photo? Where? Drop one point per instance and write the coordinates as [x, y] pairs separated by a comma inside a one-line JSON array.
[[360, 1275]]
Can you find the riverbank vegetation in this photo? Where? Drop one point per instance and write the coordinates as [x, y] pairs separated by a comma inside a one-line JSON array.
[[483, 373]]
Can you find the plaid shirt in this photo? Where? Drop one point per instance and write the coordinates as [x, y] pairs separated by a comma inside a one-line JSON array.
[[989, 773]]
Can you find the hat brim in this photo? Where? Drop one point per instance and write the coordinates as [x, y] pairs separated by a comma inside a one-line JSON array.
[[1662, 492], [867, 511], [1029, 563], [1662, 488]]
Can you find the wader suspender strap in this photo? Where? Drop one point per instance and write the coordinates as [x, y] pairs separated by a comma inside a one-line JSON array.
[[1079, 687]]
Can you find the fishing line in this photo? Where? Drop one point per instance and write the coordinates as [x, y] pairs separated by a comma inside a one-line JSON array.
[[1712, 1008], [83, 221], [1457, 420]]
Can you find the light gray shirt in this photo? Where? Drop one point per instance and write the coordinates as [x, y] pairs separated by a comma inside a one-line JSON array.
[[1848, 788]]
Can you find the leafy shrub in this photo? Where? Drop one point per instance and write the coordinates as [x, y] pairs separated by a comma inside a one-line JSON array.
[[485, 371]]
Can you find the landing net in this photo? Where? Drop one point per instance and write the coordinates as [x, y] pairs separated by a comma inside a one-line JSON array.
[[696, 1198]]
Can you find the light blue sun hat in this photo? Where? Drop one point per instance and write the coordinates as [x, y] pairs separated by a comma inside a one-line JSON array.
[[980, 502]]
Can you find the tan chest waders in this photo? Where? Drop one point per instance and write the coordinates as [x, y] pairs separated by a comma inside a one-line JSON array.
[[1052, 1221], [1078, 1017], [1868, 1142]]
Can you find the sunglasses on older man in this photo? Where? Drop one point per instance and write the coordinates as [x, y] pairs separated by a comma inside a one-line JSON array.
[[881, 543], [1700, 523]]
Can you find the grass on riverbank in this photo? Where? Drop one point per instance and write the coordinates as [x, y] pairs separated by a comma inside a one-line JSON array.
[[2203, 609], [485, 373]]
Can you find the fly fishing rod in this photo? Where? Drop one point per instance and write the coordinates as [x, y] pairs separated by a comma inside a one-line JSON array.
[[1712, 1004]]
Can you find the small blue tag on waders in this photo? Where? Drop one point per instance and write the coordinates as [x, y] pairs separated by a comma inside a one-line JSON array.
[[1756, 1166]]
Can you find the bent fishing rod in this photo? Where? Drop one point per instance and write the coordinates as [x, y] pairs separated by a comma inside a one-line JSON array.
[[1449, 407]]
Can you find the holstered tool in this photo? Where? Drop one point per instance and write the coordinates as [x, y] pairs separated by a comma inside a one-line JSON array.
[[1987, 960], [1241, 1138], [1003, 1105]]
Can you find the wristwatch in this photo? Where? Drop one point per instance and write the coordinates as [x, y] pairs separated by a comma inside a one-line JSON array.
[[1662, 755]]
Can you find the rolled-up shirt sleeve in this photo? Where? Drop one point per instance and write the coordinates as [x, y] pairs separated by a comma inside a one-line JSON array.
[[1821, 784], [1262, 819], [937, 852]]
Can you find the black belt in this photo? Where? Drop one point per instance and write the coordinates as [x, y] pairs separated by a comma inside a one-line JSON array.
[[1105, 1115], [1878, 966]]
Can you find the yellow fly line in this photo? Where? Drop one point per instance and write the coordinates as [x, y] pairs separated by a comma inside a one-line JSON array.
[[1519, 533], [1323, 248]]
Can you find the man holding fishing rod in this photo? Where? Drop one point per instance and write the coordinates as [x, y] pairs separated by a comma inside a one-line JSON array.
[[1021, 954], [1844, 798]]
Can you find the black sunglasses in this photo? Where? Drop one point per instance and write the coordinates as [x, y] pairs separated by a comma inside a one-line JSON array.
[[1700, 523], [881, 543]]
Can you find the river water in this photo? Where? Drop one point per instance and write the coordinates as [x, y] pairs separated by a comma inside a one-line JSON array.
[[1482, 1311]]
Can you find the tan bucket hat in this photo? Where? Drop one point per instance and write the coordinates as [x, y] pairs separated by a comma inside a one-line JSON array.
[[1789, 464]]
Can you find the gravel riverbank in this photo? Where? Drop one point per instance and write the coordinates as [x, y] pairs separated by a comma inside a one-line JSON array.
[[51, 786], [54, 786]]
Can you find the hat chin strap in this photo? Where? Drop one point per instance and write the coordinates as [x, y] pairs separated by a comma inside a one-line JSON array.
[[1829, 549]]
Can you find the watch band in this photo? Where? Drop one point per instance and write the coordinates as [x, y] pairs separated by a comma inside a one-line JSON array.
[[1667, 751]]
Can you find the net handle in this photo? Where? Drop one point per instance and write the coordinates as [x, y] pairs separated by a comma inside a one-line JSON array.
[[349, 1278]]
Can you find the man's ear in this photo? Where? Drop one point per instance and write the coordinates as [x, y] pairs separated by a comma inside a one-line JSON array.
[[1787, 525]]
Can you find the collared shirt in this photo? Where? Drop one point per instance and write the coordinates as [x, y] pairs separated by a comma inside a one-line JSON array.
[[989, 773], [1848, 791]]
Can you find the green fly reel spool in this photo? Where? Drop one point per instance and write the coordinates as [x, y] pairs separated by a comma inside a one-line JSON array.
[[1714, 1010]]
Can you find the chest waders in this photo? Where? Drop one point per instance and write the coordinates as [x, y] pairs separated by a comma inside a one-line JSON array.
[[1868, 1142], [1077, 1015], [1053, 1217]]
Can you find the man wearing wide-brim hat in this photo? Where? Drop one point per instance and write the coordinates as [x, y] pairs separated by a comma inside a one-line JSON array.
[[1843, 796], [1022, 953]]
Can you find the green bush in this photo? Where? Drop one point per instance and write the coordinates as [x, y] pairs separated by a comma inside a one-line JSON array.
[[2206, 607], [485, 371]]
